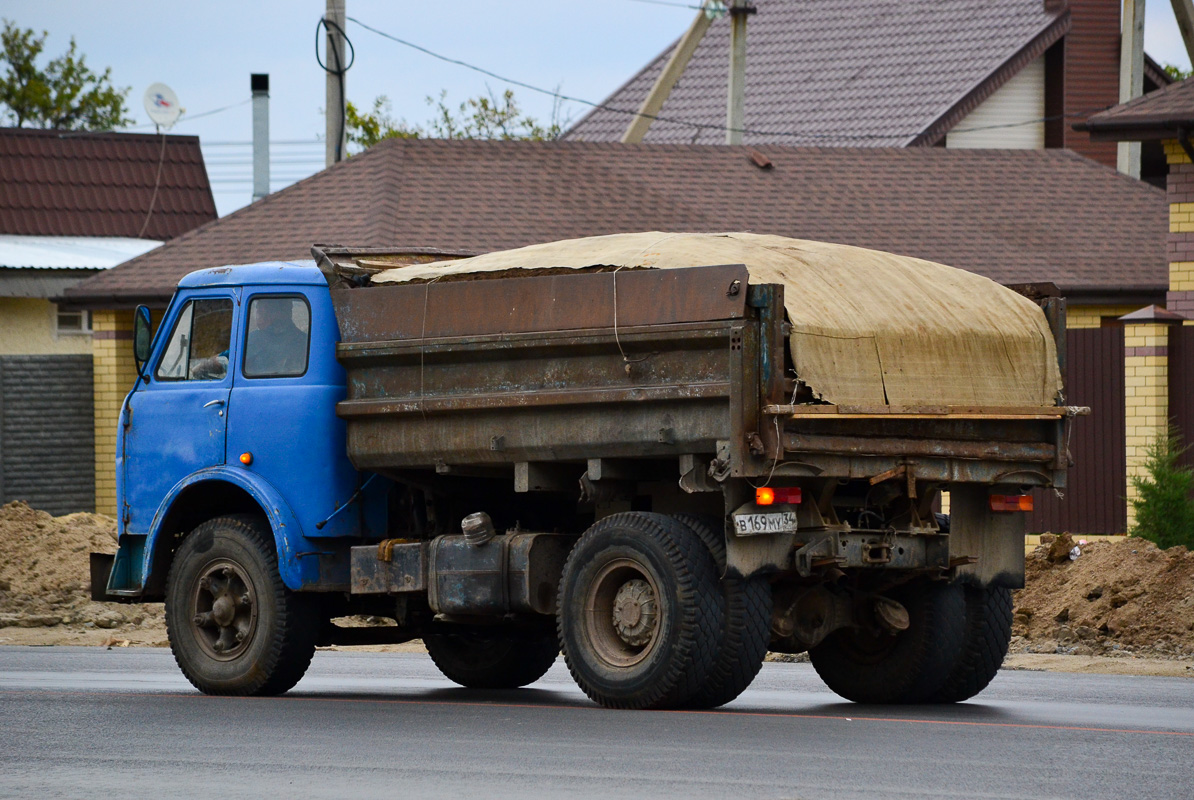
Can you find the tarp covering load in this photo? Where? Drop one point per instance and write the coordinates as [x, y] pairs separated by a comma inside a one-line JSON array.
[[868, 328]]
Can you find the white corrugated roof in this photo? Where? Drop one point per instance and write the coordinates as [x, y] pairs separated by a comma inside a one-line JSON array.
[[70, 252]]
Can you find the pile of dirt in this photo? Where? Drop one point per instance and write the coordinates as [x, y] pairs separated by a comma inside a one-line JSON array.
[[1125, 596], [45, 573]]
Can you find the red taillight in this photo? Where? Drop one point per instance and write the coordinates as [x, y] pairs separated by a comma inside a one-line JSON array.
[[770, 495], [1011, 502]]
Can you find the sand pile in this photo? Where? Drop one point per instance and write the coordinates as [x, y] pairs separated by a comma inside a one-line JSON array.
[[1116, 596], [45, 573]]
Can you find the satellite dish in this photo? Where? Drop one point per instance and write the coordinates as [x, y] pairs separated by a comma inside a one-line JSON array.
[[162, 105]]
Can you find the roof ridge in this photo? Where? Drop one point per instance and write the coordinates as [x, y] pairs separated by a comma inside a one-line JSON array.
[[1011, 66]]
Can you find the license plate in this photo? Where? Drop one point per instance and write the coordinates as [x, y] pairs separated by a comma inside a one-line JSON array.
[[755, 524]]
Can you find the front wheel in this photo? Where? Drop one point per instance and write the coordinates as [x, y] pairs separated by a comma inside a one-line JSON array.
[[491, 660], [640, 612], [233, 626]]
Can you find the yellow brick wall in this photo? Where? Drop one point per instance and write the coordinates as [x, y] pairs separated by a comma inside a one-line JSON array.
[[115, 371], [1181, 273], [1092, 316], [1181, 217], [1174, 153], [1181, 276], [1146, 399]]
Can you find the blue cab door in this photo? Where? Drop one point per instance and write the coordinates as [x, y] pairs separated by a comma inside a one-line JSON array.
[[176, 420]]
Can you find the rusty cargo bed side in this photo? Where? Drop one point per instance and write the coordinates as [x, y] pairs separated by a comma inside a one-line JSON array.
[[634, 363]]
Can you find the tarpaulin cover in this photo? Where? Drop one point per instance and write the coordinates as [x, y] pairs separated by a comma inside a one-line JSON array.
[[868, 328]]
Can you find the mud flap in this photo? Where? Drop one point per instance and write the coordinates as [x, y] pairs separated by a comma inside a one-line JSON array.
[[994, 541]]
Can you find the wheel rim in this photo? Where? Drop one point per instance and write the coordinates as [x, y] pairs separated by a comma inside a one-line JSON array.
[[224, 610], [622, 613]]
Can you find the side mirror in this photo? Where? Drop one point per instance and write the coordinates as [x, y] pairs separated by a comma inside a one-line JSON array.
[[142, 337]]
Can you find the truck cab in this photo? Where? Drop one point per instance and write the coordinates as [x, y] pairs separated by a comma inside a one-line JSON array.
[[234, 411]]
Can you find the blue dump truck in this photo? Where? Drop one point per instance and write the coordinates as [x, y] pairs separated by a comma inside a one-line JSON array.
[[661, 454]]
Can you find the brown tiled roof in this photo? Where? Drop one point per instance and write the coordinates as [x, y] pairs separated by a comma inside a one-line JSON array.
[[1157, 115], [70, 183], [844, 72], [1017, 216]]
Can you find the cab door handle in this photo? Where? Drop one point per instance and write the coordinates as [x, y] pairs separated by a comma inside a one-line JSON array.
[[211, 403]]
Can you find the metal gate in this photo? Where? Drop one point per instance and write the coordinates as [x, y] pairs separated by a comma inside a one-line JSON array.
[[1094, 502], [47, 432], [1181, 386]]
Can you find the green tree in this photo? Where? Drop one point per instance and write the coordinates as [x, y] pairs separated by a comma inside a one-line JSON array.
[[1177, 73], [484, 117], [65, 95], [370, 127], [1164, 504]]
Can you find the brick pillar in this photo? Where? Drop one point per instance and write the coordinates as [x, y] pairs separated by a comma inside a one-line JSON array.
[[115, 371], [1180, 188], [1146, 388]]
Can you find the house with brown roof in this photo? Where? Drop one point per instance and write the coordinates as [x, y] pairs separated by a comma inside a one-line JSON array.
[[1159, 342], [73, 204], [892, 73], [1016, 216]]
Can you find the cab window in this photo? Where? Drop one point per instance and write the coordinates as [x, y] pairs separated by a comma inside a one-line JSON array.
[[198, 345], [279, 333]]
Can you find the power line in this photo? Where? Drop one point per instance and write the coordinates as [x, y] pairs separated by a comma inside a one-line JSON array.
[[273, 142], [666, 3]]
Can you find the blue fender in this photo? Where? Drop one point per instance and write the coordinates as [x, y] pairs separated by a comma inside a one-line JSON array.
[[298, 563]]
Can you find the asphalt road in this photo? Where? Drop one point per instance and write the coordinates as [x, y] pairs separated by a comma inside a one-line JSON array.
[[87, 722]]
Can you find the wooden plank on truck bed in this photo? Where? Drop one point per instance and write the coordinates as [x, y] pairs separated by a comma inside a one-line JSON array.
[[924, 412]]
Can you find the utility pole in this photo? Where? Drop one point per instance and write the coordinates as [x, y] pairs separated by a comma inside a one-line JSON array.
[[1131, 77], [736, 95], [1184, 11], [259, 85], [667, 79], [337, 134]]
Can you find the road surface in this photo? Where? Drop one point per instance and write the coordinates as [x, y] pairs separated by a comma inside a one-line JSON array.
[[88, 722]]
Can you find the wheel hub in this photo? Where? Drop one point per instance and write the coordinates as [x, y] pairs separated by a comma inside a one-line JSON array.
[[634, 612], [623, 609], [225, 611]]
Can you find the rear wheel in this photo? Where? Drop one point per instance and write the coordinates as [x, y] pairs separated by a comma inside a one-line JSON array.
[[640, 612], [490, 660], [234, 627], [746, 629], [988, 633], [868, 666]]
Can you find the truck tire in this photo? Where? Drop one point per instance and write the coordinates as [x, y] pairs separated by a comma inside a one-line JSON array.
[[640, 612], [746, 631], [988, 632], [234, 627], [481, 661], [908, 667]]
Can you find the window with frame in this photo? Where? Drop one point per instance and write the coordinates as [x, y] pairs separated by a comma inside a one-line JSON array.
[[73, 321], [277, 338], [198, 345]]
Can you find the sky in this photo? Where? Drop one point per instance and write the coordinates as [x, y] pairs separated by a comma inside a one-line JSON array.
[[206, 51]]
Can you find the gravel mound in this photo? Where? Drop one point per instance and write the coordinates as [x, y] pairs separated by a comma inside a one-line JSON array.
[[1123, 596], [45, 573]]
